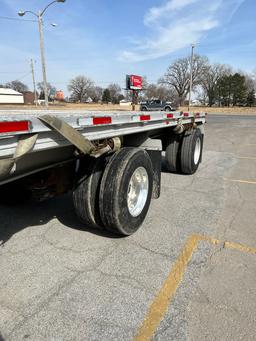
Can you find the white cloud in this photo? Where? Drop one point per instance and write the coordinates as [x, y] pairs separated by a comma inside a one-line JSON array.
[[156, 13], [167, 41], [176, 24]]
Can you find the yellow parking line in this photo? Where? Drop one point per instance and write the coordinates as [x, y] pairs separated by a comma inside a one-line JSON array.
[[166, 293], [241, 181], [162, 301], [239, 247], [245, 157]]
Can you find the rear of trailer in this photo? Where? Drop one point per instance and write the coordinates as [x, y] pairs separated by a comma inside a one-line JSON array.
[[110, 161]]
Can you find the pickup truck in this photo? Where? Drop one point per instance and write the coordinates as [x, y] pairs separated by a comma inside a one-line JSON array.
[[110, 161], [155, 105]]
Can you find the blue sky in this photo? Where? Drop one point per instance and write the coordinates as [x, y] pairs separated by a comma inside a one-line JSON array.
[[107, 39]]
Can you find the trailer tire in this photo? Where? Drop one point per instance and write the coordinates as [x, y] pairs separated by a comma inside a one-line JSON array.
[[126, 190], [144, 109], [86, 195], [191, 151], [172, 152]]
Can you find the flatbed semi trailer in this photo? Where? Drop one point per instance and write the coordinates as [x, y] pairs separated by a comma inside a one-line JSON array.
[[110, 161]]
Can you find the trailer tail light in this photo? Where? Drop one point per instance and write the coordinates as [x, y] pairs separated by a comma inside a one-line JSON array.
[[186, 114], [198, 114], [145, 117], [169, 115], [14, 126], [102, 120]]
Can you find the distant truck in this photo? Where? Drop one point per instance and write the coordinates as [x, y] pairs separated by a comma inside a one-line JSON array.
[[156, 105]]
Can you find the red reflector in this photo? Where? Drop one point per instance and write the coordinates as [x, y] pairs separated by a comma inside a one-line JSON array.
[[169, 115], [12, 127], [198, 114], [186, 114], [145, 117], [102, 120]]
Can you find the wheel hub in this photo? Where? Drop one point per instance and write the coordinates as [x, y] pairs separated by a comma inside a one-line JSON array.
[[197, 151], [137, 191]]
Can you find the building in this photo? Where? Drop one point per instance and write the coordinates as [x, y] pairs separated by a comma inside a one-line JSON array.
[[59, 95], [29, 97], [10, 96]]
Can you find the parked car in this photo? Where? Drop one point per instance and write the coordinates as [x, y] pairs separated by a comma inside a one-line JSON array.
[[156, 104]]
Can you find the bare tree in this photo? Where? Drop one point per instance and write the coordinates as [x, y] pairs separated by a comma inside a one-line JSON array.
[[178, 75], [154, 91], [151, 91], [17, 86], [209, 81], [50, 88], [96, 94], [81, 88], [115, 92], [249, 82]]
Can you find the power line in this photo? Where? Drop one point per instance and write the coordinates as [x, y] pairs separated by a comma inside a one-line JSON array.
[[11, 73], [25, 76], [16, 19]]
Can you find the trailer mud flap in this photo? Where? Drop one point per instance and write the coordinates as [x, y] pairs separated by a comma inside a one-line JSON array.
[[73, 136], [156, 159], [24, 146]]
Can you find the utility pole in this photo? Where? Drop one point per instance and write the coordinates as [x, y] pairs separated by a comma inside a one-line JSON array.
[[33, 78], [40, 25], [191, 75]]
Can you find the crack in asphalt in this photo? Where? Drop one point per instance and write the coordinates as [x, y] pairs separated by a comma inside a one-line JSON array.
[[149, 250], [122, 279], [48, 300]]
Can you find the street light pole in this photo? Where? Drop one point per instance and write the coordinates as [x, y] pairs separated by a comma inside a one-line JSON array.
[[41, 33], [191, 75]]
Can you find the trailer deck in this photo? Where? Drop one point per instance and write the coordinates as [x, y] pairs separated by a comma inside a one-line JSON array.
[[93, 125]]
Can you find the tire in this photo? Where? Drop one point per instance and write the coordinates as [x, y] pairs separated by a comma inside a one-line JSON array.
[[86, 195], [191, 151], [167, 109], [144, 109], [172, 153], [117, 212]]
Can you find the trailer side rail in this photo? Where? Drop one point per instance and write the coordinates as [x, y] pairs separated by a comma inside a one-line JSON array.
[[92, 125]]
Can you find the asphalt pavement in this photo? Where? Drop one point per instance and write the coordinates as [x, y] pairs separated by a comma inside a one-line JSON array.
[[187, 274]]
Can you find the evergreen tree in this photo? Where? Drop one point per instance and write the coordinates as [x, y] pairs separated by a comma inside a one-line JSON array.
[[106, 98], [251, 99], [232, 90], [238, 89]]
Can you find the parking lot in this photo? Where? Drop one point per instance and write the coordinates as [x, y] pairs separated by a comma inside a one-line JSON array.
[[187, 274]]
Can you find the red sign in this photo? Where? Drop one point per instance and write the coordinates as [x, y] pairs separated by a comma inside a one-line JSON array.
[[135, 82]]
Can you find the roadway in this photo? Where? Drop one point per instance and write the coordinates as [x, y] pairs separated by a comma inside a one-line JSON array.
[[187, 274]]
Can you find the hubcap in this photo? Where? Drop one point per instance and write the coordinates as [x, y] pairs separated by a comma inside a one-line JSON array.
[[137, 191], [197, 151]]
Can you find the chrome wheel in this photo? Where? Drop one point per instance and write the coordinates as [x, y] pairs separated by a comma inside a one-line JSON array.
[[137, 193], [197, 151]]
